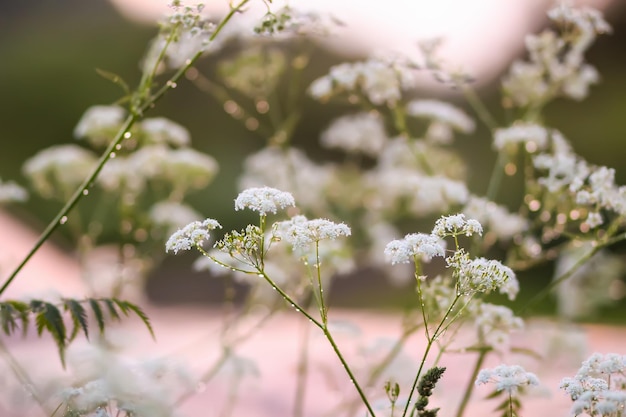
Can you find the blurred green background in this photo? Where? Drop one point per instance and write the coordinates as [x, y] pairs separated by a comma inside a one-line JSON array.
[[49, 50]]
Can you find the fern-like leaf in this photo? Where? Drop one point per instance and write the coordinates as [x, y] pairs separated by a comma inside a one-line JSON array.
[[23, 311], [97, 311], [127, 306], [79, 317], [49, 318], [7, 318], [112, 310]]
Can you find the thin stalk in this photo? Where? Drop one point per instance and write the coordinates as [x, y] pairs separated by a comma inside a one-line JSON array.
[[330, 339], [470, 385], [543, 293], [479, 107], [318, 268], [431, 341], [126, 126]]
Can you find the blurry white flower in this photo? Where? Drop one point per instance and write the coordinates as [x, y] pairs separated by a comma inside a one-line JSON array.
[[171, 215], [362, 132], [495, 218], [482, 275], [444, 118], [11, 192], [162, 130], [301, 233], [99, 123], [510, 137], [58, 170], [495, 323]]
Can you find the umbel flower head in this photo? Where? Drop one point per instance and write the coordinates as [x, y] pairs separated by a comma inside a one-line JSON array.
[[507, 378], [414, 245], [264, 200], [194, 234], [300, 232]]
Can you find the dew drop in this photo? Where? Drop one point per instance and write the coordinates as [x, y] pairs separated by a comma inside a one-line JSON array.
[[274, 288], [260, 275], [171, 84], [118, 146], [127, 135], [112, 155], [63, 220], [85, 192], [188, 61], [298, 310]]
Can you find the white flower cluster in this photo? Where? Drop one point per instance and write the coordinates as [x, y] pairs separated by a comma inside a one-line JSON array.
[[508, 378], [556, 66], [495, 218], [192, 235], [162, 130], [456, 225], [380, 81], [414, 246], [99, 123], [264, 200], [597, 388], [171, 215], [11, 192], [362, 132], [482, 275], [534, 137], [58, 170], [495, 323], [444, 118], [592, 186], [301, 232]]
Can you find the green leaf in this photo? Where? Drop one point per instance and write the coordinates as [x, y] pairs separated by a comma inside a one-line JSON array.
[[114, 78], [49, 318], [97, 311], [79, 317], [7, 317], [23, 311], [112, 310], [127, 306]]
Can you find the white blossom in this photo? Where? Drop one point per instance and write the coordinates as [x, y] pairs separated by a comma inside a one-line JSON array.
[[455, 225], [482, 275], [162, 130], [194, 234], [362, 132], [495, 218], [414, 245], [442, 113], [509, 378], [301, 233], [171, 215], [521, 133], [264, 200], [10, 191], [495, 324], [99, 123]]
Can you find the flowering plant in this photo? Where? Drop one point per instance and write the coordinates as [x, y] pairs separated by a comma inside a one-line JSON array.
[[398, 173]]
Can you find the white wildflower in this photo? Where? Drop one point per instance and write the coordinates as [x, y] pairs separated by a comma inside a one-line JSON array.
[[99, 123], [495, 324], [59, 170], [187, 167], [456, 225], [302, 233], [362, 132], [509, 137], [495, 218], [194, 234], [509, 378], [482, 275], [12, 192], [264, 200], [414, 245], [162, 130], [442, 115], [321, 88]]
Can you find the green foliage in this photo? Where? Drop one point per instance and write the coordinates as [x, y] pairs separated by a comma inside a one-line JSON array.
[[49, 318]]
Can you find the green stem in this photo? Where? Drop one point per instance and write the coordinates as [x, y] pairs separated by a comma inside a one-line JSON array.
[[479, 107], [320, 289], [330, 339], [470, 385], [126, 126], [431, 341]]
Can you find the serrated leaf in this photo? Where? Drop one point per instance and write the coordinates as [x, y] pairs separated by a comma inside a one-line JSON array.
[[127, 306], [7, 316], [97, 311], [494, 394], [23, 311], [49, 318], [79, 317], [114, 78], [112, 310]]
